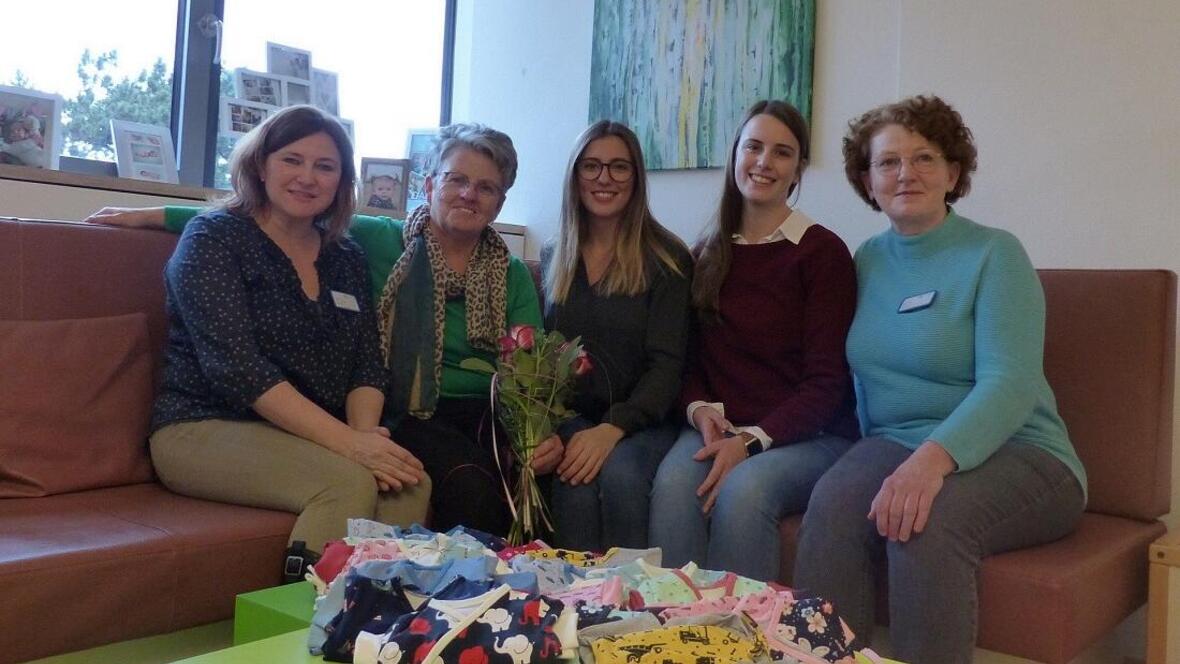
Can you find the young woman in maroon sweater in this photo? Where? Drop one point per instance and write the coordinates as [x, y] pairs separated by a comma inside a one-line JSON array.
[[767, 390]]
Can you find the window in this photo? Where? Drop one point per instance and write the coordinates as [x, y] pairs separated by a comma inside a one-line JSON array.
[[104, 64], [391, 63]]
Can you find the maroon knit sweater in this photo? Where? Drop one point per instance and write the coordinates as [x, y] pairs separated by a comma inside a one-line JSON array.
[[776, 357]]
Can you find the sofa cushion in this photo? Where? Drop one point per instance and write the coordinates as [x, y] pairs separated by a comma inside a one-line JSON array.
[[124, 562], [76, 404]]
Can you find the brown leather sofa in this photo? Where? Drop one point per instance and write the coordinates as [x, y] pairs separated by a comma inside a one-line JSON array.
[[92, 549], [1109, 356], [123, 557]]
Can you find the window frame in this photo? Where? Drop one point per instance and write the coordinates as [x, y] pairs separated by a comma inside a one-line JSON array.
[[196, 84]]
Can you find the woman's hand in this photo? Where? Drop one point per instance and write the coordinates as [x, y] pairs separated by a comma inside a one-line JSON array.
[[726, 453], [391, 464], [151, 217], [547, 455], [902, 506], [586, 452], [710, 423]]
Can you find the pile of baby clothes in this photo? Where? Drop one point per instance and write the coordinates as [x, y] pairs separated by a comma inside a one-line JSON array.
[[389, 594]]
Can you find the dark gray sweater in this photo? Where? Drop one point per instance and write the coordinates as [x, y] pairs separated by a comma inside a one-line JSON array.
[[637, 344]]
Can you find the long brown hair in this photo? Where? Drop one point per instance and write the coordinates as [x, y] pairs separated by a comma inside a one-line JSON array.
[[639, 235], [248, 161], [713, 250]]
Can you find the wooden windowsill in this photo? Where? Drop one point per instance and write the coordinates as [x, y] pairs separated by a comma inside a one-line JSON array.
[[127, 185]]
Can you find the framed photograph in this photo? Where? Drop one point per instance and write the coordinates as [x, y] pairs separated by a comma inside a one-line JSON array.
[[325, 91], [30, 127], [288, 61], [258, 87], [239, 116], [296, 91], [419, 144], [144, 152], [383, 186]]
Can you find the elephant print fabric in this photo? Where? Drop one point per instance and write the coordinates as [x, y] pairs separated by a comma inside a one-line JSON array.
[[500, 627]]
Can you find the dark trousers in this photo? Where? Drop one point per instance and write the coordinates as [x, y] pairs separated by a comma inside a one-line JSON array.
[[455, 446]]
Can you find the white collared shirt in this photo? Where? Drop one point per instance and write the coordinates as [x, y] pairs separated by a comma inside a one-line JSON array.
[[792, 228]]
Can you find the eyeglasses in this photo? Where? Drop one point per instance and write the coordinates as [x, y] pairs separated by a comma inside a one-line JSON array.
[[453, 181], [922, 162], [620, 170]]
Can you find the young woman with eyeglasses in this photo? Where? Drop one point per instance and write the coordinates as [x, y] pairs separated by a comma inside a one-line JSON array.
[[620, 280], [767, 392]]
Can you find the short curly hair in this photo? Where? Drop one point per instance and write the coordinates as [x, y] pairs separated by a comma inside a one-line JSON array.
[[929, 116]]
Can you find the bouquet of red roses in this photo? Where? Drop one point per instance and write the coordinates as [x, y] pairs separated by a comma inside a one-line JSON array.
[[532, 383]]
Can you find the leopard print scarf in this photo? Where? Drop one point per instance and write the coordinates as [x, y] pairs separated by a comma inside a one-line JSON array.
[[408, 339]]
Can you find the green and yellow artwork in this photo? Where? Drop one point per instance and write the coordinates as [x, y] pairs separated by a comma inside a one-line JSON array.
[[681, 73]]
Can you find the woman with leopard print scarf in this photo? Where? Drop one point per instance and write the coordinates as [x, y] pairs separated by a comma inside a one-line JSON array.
[[452, 291]]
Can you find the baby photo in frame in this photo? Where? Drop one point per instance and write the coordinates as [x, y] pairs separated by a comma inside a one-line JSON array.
[[30, 127], [144, 152], [325, 93], [239, 116], [258, 86], [383, 186], [288, 61]]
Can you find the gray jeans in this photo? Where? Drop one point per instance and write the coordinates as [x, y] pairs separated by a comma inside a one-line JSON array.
[[1021, 496]]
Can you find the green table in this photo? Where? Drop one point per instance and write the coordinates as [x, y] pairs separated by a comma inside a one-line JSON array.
[[273, 611], [289, 648]]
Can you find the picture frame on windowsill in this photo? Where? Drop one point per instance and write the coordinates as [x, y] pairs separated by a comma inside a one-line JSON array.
[[259, 87], [238, 116], [144, 152], [288, 61], [30, 127], [325, 91], [383, 186]]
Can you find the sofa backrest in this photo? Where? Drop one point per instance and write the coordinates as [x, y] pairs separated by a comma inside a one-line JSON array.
[[52, 270], [1110, 342]]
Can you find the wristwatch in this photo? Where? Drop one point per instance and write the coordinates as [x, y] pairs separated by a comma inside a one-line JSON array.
[[753, 446]]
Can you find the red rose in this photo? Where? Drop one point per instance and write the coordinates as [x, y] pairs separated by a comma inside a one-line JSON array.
[[507, 345], [523, 335], [582, 364]]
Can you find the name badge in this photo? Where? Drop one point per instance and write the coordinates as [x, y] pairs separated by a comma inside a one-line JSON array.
[[916, 302], [345, 301]]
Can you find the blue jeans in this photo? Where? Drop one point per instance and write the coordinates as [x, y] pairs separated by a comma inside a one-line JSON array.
[[1019, 497], [612, 509], [742, 533]]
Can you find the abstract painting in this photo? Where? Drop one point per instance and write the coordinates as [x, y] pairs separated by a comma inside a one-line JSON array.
[[681, 74]]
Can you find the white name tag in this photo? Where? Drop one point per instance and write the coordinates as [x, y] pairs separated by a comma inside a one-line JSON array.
[[916, 302], [345, 301]]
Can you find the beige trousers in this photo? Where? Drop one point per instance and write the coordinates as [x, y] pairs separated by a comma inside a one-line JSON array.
[[260, 465]]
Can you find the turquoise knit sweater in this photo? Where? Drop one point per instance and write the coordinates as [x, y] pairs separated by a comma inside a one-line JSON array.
[[967, 370]]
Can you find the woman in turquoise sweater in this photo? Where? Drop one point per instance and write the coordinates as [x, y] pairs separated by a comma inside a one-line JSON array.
[[446, 289], [964, 455]]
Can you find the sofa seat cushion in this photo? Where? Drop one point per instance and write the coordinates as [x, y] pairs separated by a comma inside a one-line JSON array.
[[125, 562], [76, 402], [1050, 602]]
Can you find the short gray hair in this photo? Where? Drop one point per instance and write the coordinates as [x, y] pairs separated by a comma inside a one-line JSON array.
[[495, 145]]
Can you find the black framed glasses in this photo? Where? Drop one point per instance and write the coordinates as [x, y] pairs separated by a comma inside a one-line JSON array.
[[619, 170]]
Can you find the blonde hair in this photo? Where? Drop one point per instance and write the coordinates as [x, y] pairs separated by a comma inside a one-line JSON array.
[[639, 235]]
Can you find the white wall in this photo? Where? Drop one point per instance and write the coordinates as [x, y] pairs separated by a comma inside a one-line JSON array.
[[1072, 103]]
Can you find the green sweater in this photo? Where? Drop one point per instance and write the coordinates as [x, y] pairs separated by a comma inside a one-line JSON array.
[[381, 238], [967, 370]]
